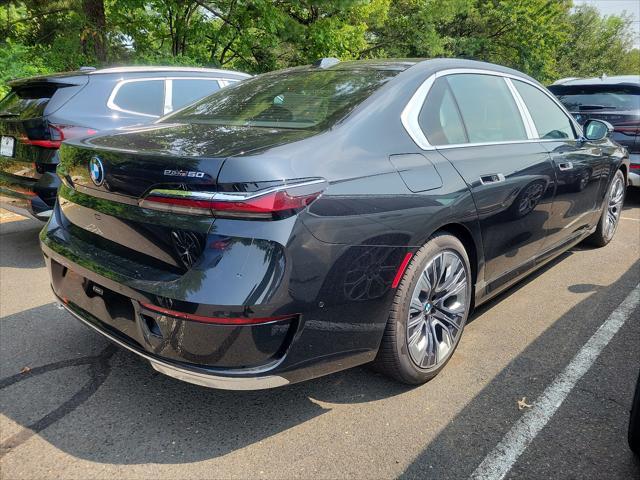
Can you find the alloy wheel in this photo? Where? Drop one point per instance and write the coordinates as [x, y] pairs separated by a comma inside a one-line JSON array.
[[614, 207], [437, 310]]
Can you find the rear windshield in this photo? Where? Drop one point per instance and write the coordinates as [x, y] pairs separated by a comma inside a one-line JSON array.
[[598, 97], [27, 102], [293, 99]]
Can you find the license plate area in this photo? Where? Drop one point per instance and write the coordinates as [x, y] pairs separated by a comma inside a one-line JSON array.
[[108, 306], [7, 146]]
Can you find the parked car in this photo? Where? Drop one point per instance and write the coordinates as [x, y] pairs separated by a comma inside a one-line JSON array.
[[313, 219], [39, 113], [614, 99]]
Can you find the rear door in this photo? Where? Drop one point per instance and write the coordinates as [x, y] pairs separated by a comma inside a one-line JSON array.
[[474, 121], [579, 165]]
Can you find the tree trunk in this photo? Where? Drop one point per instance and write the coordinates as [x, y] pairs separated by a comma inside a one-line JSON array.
[[96, 26]]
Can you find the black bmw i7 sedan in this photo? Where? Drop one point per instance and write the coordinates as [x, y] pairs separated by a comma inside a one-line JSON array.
[[312, 219]]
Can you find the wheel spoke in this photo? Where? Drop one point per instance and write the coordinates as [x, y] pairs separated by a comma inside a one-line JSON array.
[[448, 317]]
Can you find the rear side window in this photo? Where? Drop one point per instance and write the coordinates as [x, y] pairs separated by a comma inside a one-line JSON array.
[[487, 107], [440, 118], [144, 97], [549, 119], [189, 90]]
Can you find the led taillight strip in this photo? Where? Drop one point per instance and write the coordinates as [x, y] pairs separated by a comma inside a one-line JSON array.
[[262, 204], [54, 144], [216, 320]]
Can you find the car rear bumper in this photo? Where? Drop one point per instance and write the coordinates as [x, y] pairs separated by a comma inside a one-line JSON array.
[[200, 376], [321, 332], [30, 197], [30, 206]]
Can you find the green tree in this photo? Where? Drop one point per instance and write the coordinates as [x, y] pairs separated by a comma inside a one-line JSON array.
[[596, 45]]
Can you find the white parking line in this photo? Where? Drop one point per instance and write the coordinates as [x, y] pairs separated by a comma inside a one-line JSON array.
[[500, 460]]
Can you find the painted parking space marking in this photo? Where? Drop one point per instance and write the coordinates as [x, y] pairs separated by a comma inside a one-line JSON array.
[[500, 460]]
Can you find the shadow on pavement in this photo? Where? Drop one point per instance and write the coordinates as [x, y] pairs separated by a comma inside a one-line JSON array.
[[20, 245], [468, 438], [122, 412]]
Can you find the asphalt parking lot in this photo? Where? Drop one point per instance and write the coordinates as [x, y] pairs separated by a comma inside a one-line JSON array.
[[82, 408]]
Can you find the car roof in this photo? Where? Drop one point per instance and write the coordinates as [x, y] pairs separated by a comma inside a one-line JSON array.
[[603, 80], [422, 65], [61, 77], [144, 68]]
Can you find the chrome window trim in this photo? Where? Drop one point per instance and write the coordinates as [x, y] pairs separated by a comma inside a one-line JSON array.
[[532, 131], [168, 96], [411, 111]]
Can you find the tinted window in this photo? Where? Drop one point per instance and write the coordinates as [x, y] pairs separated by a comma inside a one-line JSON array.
[[487, 107], [598, 97], [549, 119], [189, 90], [141, 97], [289, 99], [439, 118]]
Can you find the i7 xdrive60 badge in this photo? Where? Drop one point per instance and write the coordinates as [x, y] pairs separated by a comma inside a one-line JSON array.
[[96, 170]]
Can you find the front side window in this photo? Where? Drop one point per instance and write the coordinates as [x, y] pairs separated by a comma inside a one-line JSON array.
[[488, 109], [440, 118], [301, 99], [188, 90], [550, 121], [144, 97]]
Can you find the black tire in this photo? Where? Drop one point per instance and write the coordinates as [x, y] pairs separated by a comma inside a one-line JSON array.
[[599, 238], [634, 421], [393, 358]]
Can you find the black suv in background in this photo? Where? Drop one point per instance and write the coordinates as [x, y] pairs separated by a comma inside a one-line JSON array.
[[614, 99], [40, 112]]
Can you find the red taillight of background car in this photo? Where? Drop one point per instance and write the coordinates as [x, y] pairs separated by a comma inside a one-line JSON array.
[[269, 204], [628, 128], [57, 134]]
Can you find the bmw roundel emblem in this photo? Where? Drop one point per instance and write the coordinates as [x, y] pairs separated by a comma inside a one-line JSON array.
[[96, 170]]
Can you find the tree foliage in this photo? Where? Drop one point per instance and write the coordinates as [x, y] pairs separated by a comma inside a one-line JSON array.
[[545, 38]]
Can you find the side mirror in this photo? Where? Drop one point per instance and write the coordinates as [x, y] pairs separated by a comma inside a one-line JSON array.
[[597, 129]]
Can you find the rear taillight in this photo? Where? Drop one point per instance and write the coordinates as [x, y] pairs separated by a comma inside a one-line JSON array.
[[635, 166], [59, 133], [273, 203]]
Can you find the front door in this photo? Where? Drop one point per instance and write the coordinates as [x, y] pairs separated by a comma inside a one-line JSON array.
[[512, 186], [578, 164]]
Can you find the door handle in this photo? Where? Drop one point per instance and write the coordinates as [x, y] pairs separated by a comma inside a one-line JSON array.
[[564, 166], [492, 178]]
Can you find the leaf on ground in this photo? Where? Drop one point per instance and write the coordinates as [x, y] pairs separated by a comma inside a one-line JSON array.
[[25, 370], [523, 404]]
